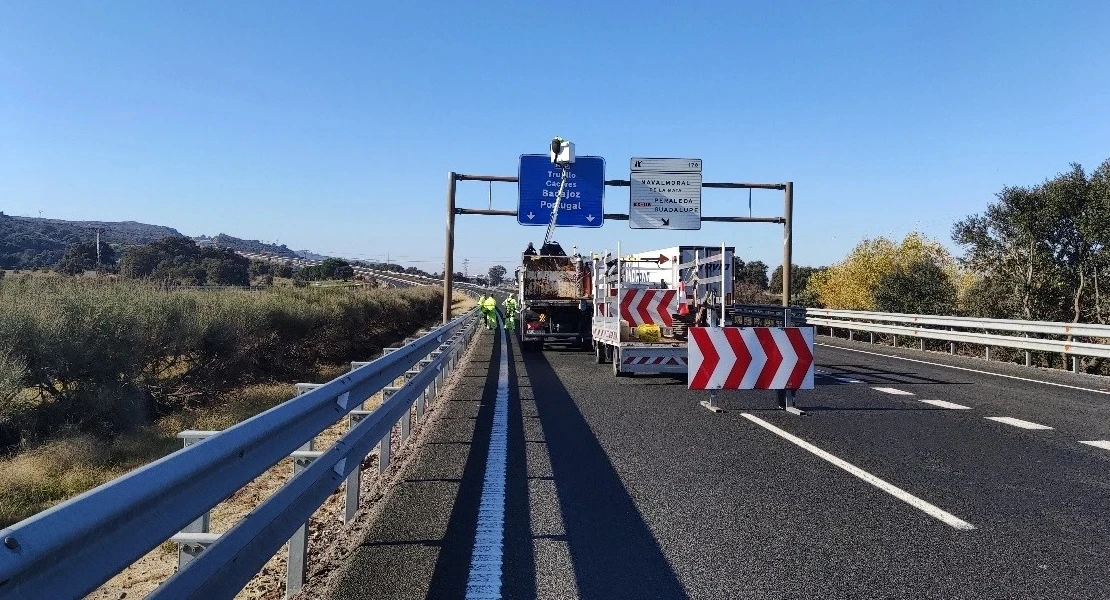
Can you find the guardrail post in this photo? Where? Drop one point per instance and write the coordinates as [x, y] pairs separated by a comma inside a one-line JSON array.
[[298, 544], [353, 485], [186, 552], [383, 451], [304, 388]]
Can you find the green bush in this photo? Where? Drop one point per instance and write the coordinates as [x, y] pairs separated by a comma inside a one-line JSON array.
[[106, 357]]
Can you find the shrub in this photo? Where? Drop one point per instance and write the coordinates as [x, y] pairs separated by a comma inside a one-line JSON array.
[[106, 357]]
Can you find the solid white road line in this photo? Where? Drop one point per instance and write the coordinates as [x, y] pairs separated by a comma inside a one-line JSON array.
[[925, 362], [949, 405], [1104, 444], [1018, 423], [897, 492], [894, 391], [484, 581]]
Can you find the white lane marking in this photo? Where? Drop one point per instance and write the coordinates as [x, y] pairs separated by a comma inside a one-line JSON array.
[[925, 362], [897, 492], [484, 581], [894, 391], [1104, 444], [949, 405], [1018, 423]]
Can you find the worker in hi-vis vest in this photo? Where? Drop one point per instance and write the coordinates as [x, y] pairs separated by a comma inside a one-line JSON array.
[[482, 307], [489, 305], [510, 312]]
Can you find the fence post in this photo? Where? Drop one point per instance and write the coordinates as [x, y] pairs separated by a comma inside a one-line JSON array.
[[1028, 359], [872, 337], [988, 353], [1075, 364]]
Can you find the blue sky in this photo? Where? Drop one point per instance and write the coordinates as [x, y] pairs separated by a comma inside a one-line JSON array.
[[333, 126]]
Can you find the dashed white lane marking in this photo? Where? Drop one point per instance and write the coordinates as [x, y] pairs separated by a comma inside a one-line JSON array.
[[836, 377], [925, 362], [1018, 423], [1104, 444], [895, 491], [484, 581], [894, 391], [948, 405]]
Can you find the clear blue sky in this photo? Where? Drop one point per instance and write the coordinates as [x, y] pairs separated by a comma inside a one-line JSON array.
[[332, 126]]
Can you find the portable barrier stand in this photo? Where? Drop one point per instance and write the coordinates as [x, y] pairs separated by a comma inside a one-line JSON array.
[[751, 358]]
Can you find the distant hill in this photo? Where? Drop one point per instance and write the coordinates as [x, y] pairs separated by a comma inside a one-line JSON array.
[[254, 246], [27, 242]]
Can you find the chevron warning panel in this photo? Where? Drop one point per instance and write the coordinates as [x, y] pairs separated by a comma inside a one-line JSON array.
[[643, 307], [751, 358]]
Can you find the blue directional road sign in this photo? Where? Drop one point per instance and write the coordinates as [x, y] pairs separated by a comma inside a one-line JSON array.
[[583, 196]]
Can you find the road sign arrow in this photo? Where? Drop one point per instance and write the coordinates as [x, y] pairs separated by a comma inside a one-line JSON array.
[[705, 354], [625, 313], [590, 218], [666, 222], [531, 216], [774, 358], [743, 358], [805, 358], [662, 259], [642, 307]]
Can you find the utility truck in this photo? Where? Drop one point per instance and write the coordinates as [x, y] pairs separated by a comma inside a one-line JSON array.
[[643, 304], [554, 298]]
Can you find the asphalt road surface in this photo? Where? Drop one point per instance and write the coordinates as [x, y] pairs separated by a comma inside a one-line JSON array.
[[911, 476]]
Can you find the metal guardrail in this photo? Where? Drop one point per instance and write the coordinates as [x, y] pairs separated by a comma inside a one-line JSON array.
[[69, 550], [929, 327], [764, 315], [1046, 327]]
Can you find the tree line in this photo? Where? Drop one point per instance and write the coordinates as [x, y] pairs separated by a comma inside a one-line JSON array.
[[1038, 252]]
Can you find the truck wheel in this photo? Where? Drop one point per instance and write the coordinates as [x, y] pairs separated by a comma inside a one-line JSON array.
[[599, 353]]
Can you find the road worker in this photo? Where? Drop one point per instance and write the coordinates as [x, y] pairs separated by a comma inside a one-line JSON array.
[[510, 312], [489, 305], [482, 306]]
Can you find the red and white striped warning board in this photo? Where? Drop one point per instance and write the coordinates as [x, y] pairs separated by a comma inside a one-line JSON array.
[[655, 360], [751, 358], [643, 307]]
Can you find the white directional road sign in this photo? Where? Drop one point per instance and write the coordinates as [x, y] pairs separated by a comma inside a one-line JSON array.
[[665, 193]]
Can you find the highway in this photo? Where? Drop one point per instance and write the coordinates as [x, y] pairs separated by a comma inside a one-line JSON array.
[[913, 475]]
